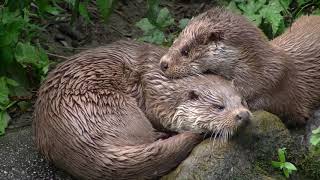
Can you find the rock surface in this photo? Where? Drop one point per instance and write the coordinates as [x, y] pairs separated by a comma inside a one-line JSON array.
[[246, 156]]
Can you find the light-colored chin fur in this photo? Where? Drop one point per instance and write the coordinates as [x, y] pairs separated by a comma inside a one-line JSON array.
[[187, 118]]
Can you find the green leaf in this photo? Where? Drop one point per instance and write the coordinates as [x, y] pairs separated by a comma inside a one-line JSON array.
[[153, 10], [52, 10], [316, 131], [156, 37], [285, 3], [256, 19], [43, 63], [12, 82], [24, 105], [183, 23], [6, 55], [251, 7], [4, 120], [281, 154], [4, 93], [301, 2], [145, 25], [164, 18], [10, 104], [276, 164], [286, 172], [27, 54], [290, 166], [7, 38], [315, 139], [105, 8], [271, 13], [44, 6], [83, 10], [316, 12], [233, 7], [71, 2]]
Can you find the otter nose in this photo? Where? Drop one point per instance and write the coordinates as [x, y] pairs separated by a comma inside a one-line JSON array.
[[243, 117], [164, 65]]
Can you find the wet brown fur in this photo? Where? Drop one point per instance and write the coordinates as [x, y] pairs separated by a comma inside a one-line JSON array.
[[281, 76], [90, 121]]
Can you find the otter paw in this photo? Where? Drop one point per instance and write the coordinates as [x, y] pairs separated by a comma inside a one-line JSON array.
[[162, 135]]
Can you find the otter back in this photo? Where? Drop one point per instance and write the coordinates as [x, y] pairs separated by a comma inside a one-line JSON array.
[[280, 76]]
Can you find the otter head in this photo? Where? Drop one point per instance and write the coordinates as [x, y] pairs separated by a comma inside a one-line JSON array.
[[209, 105], [215, 41]]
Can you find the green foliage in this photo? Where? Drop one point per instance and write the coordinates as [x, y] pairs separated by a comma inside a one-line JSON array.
[[5, 102], [272, 16], [16, 33], [24, 63], [83, 11], [105, 8], [183, 23], [18, 54], [286, 167], [315, 137], [156, 24]]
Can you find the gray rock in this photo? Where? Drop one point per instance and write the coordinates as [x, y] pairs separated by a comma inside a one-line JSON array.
[[246, 156]]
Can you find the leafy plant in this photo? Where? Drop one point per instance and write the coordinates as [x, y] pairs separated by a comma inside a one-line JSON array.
[[286, 167], [272, 16], [315, 137], [24, 63], [5, 102], [21, 59], [156, 24], [105, 8]]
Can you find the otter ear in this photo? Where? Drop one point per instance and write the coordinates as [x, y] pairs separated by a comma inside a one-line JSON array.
[[193, 95], [215, 36], [232, 83]]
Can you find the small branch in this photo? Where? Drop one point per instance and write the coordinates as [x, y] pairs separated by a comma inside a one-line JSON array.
[[64, 47], [59, 56]]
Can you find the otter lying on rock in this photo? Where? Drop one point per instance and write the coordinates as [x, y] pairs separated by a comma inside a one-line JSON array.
[[90, 121], [281, 76]]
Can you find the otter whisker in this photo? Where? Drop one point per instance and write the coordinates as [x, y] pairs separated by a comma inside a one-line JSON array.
[[211, 139]]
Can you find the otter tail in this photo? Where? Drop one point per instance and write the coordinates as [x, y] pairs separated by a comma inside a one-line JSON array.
[[155, 159]]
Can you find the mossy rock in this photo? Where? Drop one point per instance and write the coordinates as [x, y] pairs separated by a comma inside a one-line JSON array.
[[310, 166], [246, 156]]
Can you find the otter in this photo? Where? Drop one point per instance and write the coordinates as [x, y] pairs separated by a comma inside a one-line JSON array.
[[106, 113], [281, 76]]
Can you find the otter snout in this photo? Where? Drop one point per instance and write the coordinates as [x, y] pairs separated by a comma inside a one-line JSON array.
[[164, 63], [243, 117]]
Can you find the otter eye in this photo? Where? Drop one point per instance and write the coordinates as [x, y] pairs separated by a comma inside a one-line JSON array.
[[193, 95], [244, 102], [184, 52], [218, 107]]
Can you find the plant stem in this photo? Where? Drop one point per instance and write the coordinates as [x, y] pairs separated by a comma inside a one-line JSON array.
[[75, 11]]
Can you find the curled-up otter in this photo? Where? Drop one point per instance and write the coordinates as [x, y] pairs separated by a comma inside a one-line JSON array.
[[99, 114], [281, 76]]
